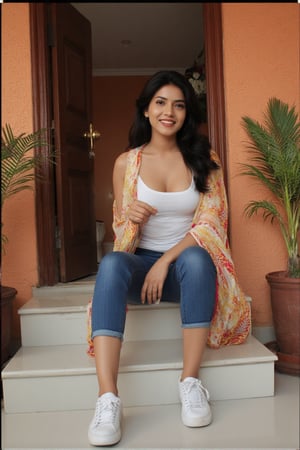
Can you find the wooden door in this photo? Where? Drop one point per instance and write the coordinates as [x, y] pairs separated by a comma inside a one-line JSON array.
[[71, 87]]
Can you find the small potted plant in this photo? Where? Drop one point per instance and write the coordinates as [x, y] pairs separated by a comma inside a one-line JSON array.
[[274, 151], [17, 174]]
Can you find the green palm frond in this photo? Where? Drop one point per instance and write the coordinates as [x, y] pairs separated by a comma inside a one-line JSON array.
[[269, 210], [274, 149], [17, 161]]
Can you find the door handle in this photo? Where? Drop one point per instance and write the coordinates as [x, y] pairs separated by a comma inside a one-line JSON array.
[[92, 135]]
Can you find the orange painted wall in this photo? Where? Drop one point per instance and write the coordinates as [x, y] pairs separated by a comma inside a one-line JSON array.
[[19, 264], [261, 60], [113, 113]]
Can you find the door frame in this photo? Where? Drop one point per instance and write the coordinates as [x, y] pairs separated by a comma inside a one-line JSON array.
[[40, 34], [48, 274]]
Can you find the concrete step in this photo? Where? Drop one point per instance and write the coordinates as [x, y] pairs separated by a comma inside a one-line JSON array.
[[61, 378], [261, 423], [63, 321], [57, 316]]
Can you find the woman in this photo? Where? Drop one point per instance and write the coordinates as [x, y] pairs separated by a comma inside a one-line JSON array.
[[170, 224]]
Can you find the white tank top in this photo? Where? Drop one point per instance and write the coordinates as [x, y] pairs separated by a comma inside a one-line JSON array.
[[173, 219]]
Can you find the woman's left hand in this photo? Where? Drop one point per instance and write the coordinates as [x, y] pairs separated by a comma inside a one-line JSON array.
[[154, 281]]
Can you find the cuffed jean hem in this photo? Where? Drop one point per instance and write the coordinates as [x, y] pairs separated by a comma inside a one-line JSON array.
[[110, 333], [196, 325]]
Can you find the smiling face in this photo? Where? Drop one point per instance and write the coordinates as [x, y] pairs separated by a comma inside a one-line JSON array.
[[167, 111]]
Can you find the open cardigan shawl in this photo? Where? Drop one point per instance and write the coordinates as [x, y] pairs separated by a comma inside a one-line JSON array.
[[231, 320]]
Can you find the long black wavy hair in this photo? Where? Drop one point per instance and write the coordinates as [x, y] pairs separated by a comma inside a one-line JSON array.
[[195, 147]]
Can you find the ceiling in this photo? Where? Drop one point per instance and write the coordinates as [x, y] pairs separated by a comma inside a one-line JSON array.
[[139, 38]]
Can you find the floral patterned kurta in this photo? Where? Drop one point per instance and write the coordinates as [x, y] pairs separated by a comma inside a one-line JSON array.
[[232, 318]]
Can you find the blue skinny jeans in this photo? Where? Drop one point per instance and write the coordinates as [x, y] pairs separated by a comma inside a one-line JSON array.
[[191, 281]]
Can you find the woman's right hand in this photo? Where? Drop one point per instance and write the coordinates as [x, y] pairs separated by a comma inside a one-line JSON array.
[[139, 212]]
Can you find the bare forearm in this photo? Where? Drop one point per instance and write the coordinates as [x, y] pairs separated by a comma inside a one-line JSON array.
[[154, 281], [172, 254]]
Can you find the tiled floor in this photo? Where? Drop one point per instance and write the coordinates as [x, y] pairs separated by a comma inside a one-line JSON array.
[[271, 422]]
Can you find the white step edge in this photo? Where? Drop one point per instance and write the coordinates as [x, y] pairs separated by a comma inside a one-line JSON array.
[[62, 320], [57, 300], [62, 378], [81, 287]]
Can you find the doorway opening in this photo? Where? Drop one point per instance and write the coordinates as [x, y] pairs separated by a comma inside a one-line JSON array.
[[46, 232], [130, 42]]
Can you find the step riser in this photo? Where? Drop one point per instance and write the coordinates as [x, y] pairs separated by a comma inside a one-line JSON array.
[[53, 329], [62, 327], [71, 328], [146, 388]]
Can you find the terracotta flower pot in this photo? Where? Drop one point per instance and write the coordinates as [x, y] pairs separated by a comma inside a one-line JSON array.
[[289, 364], [285, 300]]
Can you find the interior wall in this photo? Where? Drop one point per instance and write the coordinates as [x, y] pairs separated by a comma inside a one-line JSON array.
[[19, 262], [261, 60], [113, 112]]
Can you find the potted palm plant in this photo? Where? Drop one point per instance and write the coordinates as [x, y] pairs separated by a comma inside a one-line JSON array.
[[274, 150], [17, 173]]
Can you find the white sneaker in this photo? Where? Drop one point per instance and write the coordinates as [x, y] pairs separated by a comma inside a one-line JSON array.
[[194, 397], [105, 428]]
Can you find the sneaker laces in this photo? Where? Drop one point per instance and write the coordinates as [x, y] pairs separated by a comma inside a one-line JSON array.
[[106, 411], [196, 394]]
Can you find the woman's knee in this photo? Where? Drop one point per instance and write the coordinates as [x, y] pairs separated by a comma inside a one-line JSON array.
[[113, 263], [111, 259], [196, 258]]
